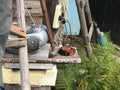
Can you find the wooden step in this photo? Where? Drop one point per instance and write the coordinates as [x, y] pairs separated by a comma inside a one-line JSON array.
[[33, 66]]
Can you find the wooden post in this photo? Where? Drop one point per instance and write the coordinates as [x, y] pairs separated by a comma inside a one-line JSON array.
[[89, 21], [88, 14], [80, 6], [23, 53], [47, 21]]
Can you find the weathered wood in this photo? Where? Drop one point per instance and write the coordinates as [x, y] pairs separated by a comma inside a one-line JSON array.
[[47, 21], [90, 32], [84, 30], [17, 87], [38, 59], [32, 5], [35, 10], [17, 42], [23, 55], [35, 66], [18, 31]]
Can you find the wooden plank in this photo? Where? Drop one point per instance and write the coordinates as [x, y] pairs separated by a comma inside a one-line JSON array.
[[33, 4], [18, 31], [23, 52], [35, 66], [42, 53], [90, 32], [34, 12], [18, 87], [37, 77], [34, 8], [17, 42], [37, 59]]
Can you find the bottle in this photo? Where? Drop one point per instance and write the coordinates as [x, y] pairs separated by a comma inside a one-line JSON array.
[[102, 40]]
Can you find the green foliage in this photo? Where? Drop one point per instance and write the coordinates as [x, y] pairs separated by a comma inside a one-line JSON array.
[[100, 72]]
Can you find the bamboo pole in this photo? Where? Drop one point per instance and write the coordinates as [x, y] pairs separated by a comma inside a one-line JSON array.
[[80, 6], [23, 53]]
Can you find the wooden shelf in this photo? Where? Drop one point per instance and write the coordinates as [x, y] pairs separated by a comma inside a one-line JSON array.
[[41, 56]]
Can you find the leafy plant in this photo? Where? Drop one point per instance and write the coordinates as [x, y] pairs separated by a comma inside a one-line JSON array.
[[100, 72]]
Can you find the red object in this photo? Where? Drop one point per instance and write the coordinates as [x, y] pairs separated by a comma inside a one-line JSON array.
[[67, 51]]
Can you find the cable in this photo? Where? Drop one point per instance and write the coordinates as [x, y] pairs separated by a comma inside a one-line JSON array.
[[30, 15], [69, 29]]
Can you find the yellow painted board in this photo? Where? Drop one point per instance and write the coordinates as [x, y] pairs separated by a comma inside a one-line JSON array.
[[37, 77]]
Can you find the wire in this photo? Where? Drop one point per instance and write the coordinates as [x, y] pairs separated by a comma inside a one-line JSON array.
[[30, 15], [69, 30], [66, 32], [69, 27]]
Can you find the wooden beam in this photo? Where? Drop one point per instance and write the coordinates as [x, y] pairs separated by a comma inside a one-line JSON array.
[[35, 66], [23, 52], [17, 42]]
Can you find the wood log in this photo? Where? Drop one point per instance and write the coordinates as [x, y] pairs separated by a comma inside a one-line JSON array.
[[80, 6]]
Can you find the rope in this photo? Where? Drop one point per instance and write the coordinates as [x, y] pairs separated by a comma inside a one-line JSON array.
[[64, 4]]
